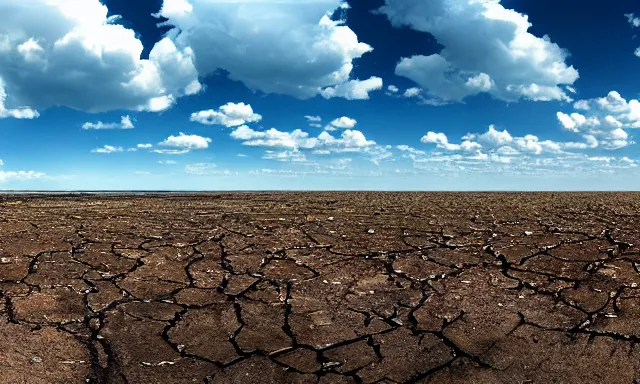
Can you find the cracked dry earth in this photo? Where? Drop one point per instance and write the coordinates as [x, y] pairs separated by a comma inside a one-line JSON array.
[[320, 288]]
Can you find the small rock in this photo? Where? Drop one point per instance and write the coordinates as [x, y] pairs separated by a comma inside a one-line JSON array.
[[5, 260], [36, 360], [396, 321], [331, 218], [371, 231], [608, 272], [528, 233]]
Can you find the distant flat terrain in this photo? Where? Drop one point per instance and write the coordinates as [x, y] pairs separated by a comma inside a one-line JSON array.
[[352, 287]]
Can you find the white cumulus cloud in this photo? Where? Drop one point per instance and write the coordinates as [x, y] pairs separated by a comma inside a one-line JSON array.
[[283, 47], [183, 143], [605, 119], [125, 123], [350, 140], [229, 115], [353, 89], [274, 138], [632, 19], [69, 53], [441, 141], [343, 122], [487, 49]]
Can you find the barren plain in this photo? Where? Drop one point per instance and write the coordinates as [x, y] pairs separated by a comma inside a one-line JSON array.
[[320, 288]]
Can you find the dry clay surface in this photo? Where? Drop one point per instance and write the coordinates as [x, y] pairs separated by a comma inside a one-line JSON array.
[[320, 288]]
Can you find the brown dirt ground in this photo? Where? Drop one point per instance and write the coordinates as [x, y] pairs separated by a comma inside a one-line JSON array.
[[320, 288]]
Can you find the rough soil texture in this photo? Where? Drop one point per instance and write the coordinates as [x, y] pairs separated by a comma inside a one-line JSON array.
[[320, 288]]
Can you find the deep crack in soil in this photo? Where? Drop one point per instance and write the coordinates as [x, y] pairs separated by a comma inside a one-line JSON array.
[[320, 288]]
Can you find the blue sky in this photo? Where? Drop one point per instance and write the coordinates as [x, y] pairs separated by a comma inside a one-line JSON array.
[[319, 94]]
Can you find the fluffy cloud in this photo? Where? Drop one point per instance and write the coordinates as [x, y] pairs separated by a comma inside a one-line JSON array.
[[441, 141], [576, 121], [605, 119], [487, 49], [229, 115], [495, 137], [412, 92], [125, 123], [495, 144], [423, 97], [107, 149], [353, 89], [393, 89], [613, 102], [145, 146], [69, 53], [177, 145], [582, 105], [283, 47], [274, 138], [632, 19], [343, 122], [349, 141]]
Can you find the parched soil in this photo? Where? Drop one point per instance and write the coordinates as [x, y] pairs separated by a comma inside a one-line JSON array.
[[320, 288]]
